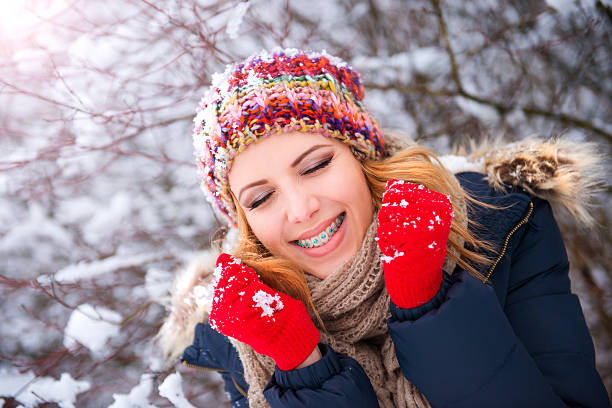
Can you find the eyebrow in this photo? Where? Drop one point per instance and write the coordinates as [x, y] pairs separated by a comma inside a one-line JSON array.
[[295, 163], [306, 153]]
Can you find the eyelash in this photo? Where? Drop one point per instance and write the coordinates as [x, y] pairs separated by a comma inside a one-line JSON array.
[[318, 167], [309, 171]]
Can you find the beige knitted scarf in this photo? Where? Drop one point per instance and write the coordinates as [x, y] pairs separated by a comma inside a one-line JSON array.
[[354, 306]]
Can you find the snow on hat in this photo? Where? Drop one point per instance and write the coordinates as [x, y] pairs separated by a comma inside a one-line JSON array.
[[283, 91]]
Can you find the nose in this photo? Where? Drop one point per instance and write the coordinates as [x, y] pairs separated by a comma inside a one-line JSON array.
[[302, 204]]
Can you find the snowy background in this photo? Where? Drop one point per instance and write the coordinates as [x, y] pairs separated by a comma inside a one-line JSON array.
[[100, 204]]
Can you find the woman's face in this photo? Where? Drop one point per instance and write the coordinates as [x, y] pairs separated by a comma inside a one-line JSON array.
[[305, 198]]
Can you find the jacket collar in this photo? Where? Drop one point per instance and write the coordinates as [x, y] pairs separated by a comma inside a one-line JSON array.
[[495, 225], [491, 224]]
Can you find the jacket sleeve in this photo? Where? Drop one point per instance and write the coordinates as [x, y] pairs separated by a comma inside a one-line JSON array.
[[469, 351], [200, 355], [334, 381]]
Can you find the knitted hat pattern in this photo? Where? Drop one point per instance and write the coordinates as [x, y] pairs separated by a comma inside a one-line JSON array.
[[283, 91]]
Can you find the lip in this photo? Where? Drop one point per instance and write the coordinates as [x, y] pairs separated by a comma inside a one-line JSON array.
[[332, 244], [316, 230]]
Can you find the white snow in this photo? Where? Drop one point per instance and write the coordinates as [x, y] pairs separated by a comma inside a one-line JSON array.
[[487, 114], [388, 259], [119, 208], [265, 301], [11, 381], [203, 295], [230, 241], [92, 327], [31, 390], [233, 25], [426, 61], [359, 10], [138, 397], [172, 389], [386, 70], [88, 270], [253, 81], [562, 6], [39, 233], [217, 272], [158, 283], [457, 164], [63, 392], [430, 61]]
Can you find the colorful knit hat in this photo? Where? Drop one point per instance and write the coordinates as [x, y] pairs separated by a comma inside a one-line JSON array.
[[287, 90]]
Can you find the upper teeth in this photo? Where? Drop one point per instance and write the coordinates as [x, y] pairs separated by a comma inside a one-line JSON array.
[[323, 237]]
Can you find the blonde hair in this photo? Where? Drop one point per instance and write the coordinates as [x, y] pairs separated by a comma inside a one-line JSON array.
[[414, 164]]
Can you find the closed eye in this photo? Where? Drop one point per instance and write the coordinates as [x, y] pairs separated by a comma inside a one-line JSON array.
[[262, 199], [259, 201], [318, 167]]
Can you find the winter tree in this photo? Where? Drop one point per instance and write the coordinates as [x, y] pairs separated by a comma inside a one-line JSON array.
[[100, 200]]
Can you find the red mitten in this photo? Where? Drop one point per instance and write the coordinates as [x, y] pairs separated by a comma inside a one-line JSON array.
[[413, 227], [273, 323]]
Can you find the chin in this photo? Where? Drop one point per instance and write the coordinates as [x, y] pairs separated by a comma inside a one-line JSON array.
[[329, 266]]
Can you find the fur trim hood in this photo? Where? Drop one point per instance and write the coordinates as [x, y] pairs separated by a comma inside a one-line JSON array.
[[567, 174]]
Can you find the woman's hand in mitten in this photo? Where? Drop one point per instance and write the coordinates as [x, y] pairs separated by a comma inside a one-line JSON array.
[[273, 323], [413, 227]]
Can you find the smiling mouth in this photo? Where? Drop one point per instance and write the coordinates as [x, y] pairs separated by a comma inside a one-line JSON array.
[[324, 236]]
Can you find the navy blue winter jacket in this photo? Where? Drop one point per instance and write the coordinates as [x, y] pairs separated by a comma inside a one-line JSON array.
[[520, 340]]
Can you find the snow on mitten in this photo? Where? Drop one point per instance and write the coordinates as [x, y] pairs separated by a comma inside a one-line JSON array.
[[413, 227], [273, 323]]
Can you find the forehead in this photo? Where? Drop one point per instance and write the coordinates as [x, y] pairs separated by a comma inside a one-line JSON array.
[[272, 153]]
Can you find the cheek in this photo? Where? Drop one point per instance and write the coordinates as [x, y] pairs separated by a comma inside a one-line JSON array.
[[266, 228], [351, 188], [362, 201]]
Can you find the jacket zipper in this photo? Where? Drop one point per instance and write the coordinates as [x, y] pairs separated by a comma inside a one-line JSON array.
[[220, 370], [505, 246], [239, 388], [186, 364]]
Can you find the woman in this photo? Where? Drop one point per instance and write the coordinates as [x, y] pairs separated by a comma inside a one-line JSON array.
[[370, 275]]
